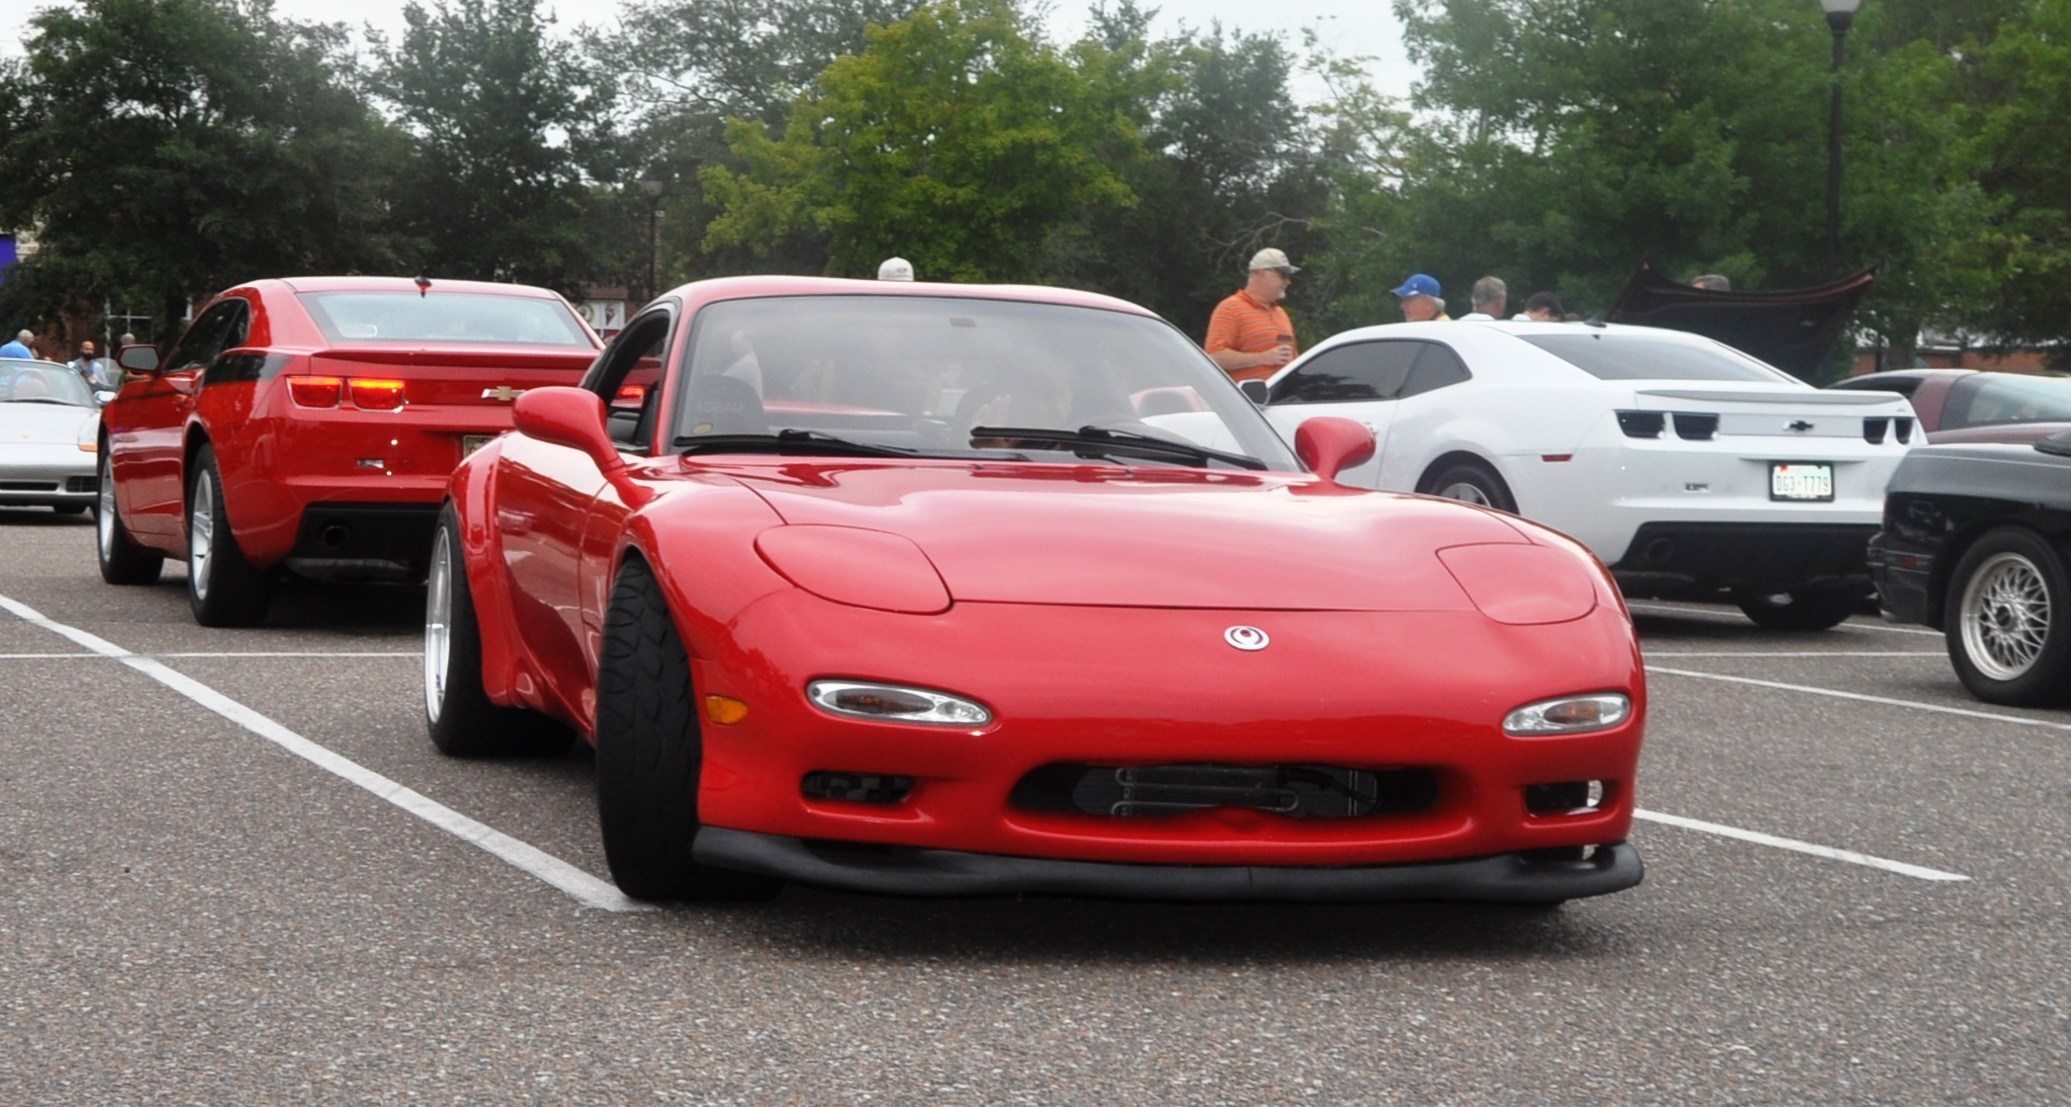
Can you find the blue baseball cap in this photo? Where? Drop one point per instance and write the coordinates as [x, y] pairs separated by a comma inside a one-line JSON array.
[[1419, 284]]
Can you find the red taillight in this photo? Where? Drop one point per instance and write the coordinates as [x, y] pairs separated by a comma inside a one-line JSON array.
[[376, 395], [316, 391], [630, 394]]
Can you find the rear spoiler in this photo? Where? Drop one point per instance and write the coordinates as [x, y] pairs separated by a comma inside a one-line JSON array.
[[1862, 398], [464, 357]]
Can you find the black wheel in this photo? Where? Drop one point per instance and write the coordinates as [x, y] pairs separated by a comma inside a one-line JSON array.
[[462, 720], [1472, 482], [69, 509], [2004, 620], [223, 588], [1803, 609], [649, 754], [122, 560]]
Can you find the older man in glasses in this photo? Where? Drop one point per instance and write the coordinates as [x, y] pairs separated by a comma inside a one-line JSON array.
[[1250, 335]]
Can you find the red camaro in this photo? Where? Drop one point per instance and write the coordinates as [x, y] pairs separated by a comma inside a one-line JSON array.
[[933, 589], [310, 425]]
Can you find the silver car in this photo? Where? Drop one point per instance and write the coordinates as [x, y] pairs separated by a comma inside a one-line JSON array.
[[49, 426]]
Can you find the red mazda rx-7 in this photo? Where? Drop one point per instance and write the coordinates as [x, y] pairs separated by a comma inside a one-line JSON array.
[[946, 589], [309, 425]]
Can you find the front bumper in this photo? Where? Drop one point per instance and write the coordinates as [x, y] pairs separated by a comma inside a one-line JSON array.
[[49, 475], [1506, 878]]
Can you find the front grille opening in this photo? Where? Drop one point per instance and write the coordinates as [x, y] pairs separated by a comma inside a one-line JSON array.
[[1695, 426], [1568, 797], [1642, 424], [82, 484], [28, 486], [1295, 791], [872, 788], [1874, 429], [1564, 853]]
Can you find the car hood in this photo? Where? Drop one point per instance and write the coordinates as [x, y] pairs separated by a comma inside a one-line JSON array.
[[1145, 537], [43, 424]]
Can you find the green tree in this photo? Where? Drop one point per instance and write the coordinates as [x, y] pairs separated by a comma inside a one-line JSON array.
[[2024, 75], [510, 130], [165, 149], [957, 138]]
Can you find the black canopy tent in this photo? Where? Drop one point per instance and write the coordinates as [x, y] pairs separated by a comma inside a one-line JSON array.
[[1793, 330]]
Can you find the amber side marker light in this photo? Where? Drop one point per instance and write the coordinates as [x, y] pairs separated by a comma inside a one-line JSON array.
[[725, 710], [1568, 715]]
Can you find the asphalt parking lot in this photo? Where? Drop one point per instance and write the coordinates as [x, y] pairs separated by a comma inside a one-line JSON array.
[[233, 870]]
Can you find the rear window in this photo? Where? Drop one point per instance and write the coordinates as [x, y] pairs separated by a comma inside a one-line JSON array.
[[1635, 357], [471, 317], [1983, 401]]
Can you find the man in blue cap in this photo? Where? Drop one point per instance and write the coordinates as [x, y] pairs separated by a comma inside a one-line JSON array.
[[1422, 300]]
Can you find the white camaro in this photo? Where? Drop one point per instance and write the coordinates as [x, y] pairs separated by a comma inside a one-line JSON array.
[[1684, 464]]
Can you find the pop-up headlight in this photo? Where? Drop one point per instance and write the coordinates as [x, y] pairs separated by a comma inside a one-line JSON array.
[[856, 566]]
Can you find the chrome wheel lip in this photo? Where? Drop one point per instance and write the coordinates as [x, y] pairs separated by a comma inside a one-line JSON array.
[[438, 616], [2005, 616], [104, 513], [201, 525], [1466, 492]]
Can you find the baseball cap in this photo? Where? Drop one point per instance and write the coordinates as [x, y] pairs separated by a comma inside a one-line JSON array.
[[895, 269], [1418, 284], [1272, 258]]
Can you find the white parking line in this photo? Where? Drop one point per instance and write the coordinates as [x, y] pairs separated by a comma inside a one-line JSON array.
[[584, 887], [223, 653], [1830, 853], [1715, 613], [1887, 701], [1793, 653]]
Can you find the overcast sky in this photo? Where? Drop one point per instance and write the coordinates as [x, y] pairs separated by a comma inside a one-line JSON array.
[[1351, 26]]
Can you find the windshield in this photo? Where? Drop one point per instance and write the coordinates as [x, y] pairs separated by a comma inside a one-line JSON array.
[[42, 382], [474, 317], [1625, 356], [1983, 401], [919, 372]]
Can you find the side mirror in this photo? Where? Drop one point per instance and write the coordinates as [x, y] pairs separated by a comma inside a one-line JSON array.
[[102, 396], [571, 417], [138, 359], [1329, 445], [1255, 390]]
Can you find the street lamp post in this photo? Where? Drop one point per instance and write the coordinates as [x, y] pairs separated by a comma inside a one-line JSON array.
[[1840, 13], [652, 185]]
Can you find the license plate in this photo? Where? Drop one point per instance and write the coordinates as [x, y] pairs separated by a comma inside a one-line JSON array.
[[1798, 480], [469, 443]]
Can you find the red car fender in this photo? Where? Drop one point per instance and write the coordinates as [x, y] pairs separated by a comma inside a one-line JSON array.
[[707, 589], [470, 492]]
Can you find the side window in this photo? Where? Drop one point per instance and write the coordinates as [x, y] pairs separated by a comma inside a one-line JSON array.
[[218, 329], [1437, 367], [1359, 371], [629, 378]]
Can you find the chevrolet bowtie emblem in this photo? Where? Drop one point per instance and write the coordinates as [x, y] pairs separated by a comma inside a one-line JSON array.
[[502, 393], [1796, 425]]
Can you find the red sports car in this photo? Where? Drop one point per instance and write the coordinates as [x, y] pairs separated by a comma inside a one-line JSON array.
[[933, 589], [310, 425]]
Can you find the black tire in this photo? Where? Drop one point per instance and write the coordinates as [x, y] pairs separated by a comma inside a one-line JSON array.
[[2004, 619], [1472, 482], [458, 715], [1803, 609], [223, 589], [649, 754], [122, 560], [69, 509]]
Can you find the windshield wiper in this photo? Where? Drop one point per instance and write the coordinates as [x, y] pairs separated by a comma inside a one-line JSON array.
[[1092, 440], [790, 440]]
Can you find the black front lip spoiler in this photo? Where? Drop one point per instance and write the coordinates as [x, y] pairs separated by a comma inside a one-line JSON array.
[[908, 871]]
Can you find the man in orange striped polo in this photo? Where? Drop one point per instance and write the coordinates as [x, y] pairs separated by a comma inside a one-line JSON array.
[[1250, 335]]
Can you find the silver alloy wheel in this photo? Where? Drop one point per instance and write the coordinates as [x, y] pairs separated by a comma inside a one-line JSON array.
[[104, 512], [201, 525], [2005, 616], [1468, 492], [438, 616]]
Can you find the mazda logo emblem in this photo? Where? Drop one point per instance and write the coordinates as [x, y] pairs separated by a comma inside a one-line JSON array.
[[1246, 638]]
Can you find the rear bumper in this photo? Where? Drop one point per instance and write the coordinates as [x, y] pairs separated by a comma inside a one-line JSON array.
[[1667, 557], [375, 538], [1505, 878]]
